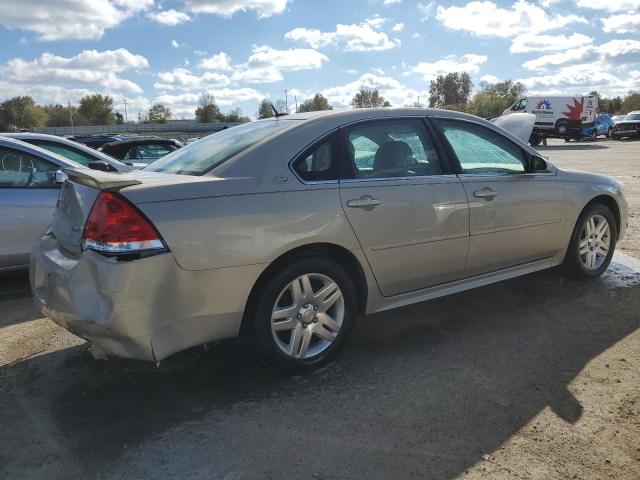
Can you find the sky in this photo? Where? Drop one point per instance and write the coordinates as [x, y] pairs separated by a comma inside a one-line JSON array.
[[170, 51]]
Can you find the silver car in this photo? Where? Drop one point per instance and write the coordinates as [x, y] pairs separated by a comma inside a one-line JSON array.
[[74, 151], [286, 229]]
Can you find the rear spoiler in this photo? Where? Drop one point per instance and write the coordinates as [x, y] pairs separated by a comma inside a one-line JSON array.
[[99, 179]]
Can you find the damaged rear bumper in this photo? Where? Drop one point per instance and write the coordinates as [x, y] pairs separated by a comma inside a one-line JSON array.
[[142, 309]]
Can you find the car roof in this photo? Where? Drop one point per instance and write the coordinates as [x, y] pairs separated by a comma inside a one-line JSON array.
[[39, 152], [132, 142]]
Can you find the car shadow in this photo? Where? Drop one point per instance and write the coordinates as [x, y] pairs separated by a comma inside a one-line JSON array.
[[422, 391], [15, 295]]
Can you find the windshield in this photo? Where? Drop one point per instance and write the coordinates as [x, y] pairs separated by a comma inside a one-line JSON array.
[[204, 155], [632, 116]]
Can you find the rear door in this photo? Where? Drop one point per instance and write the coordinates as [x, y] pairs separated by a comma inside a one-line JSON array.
[[28, 194], [407, 208], [516, 216]]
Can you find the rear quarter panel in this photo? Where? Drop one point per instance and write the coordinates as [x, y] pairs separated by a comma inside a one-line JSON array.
[[235, 230]]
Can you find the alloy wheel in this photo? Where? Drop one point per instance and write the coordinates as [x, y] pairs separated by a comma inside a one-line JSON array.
[[307, 315], [595, 241]]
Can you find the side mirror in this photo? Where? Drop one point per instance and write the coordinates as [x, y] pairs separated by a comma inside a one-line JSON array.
[[538, 164], [100, 165], [61, 177]]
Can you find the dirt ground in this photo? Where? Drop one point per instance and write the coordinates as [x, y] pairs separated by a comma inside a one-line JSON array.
[[533, 378]]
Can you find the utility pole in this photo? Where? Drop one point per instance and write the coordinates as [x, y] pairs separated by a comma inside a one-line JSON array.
[[296, 97], [73, 130], [286, 102], [125, 111]]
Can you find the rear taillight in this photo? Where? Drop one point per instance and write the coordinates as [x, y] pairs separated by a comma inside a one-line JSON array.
[[116, 226]]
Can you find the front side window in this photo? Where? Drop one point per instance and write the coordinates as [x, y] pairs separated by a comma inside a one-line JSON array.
[[22, 170], [319, 163], [481, 150], [391, 149], [206, 154], [520, 105], [65, 151]]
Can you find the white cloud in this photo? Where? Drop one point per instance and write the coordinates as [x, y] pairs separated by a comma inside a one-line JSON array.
[[89, 68], [68, 19], [621, 23], [391, 2], [175, 44], [183, 79], [219, 61], [184, 104], [390, 88], [227, 8], [578, 79], [611, 6], [470, 62], [426, 10], [398, 27], [534, 42], [359, 37], [605, 56], [170, 17], [485, 18], [489, 78]]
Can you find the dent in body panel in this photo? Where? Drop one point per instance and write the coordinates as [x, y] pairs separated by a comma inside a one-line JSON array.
[[126, 307], [238, 230]]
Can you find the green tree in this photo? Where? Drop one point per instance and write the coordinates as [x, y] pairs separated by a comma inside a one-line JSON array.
[[159, 113], [60, 115], [21, 113], [315, 104], [235, 116], [265, 110], [369, 98], [631, 101], [493, 98], [450, 91], [207, 111], [96, 109], [119, 118]]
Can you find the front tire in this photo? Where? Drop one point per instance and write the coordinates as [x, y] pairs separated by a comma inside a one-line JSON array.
[[305, 314], [592, 243]]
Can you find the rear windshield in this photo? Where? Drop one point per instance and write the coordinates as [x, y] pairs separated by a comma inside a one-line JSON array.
[[204, 155], [633, 116]]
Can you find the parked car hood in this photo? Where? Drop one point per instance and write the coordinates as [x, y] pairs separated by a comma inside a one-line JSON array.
[[518, 124]]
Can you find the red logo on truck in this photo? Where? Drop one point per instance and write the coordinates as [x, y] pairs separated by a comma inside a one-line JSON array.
[[575, 110]]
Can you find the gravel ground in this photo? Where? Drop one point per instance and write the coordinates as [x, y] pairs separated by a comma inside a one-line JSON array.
[[534, 378]]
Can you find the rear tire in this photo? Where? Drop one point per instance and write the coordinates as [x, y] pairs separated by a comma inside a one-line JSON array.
[[296, 328], [534, 140], [592, 243], [562, 128]]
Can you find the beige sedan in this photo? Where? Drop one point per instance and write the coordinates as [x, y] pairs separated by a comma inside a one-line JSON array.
[[286, 229]]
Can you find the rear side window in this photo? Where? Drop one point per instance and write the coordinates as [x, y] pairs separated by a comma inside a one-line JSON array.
[[391, 149], [481, 150], [320, 162]]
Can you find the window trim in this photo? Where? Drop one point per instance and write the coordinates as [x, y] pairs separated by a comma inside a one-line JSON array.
[[456, 162], [347, 175], [23, 152], [333, 137]]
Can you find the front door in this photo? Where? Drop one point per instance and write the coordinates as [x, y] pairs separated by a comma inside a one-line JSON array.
[[28, 194], [516, 216], [408, 212]]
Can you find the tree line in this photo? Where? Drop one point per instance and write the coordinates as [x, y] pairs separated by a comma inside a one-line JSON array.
[[452, 91]]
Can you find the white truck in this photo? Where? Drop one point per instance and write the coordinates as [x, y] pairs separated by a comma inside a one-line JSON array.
[[560, 117]]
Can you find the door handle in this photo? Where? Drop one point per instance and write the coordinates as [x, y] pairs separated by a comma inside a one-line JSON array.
[[365, 202], [485, 193]]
